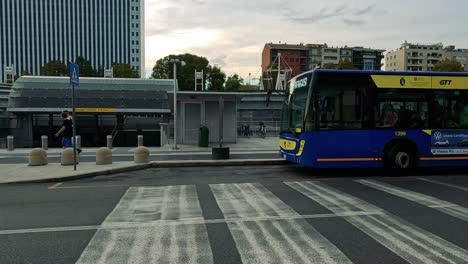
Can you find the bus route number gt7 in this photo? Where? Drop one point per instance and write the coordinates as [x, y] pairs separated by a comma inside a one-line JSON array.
[[446, 82]]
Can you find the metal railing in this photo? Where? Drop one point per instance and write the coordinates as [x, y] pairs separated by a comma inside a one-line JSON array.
[[253, 129]]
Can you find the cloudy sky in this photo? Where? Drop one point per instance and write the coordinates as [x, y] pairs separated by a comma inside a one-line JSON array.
[[232, 33]]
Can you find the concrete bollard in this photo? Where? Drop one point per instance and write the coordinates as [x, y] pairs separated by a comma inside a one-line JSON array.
[[103, 156], [140, 140], [38, 157], [66, 157], [109, 142], [10, 143], [44, 143], [141, 155], [78, 142]]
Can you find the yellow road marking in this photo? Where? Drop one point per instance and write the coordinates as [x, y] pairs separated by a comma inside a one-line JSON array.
[[55, 186], [93, 186]]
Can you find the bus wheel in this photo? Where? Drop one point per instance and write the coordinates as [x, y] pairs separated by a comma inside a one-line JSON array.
[[400, 158]]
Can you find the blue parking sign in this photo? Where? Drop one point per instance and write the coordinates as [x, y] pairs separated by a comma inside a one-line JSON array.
[[74, 74]]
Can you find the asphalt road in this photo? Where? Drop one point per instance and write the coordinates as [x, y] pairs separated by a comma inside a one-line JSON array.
[[272, 214]]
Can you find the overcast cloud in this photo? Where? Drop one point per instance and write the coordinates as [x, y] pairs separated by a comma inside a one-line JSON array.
[[232, 33]]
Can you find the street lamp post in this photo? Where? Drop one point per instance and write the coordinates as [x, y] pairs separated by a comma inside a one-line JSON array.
[[175, 61]]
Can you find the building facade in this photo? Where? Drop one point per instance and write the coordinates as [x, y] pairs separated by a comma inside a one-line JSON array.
[[367, 59], [293, 57], [301, 58], [34, 33], [422, 57]]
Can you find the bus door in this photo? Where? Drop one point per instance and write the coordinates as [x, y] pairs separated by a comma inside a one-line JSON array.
[[403, 114]]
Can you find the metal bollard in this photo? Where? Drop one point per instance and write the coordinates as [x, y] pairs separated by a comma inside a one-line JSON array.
[[10, 143], [78, 142], [109, 142], [163, 134], [140, 140], [44, 143]]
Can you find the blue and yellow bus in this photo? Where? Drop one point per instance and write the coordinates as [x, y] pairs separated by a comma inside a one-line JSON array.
[[399, 120]]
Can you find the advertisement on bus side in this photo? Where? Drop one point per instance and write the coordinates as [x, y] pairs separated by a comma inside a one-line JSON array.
[[449, 142]]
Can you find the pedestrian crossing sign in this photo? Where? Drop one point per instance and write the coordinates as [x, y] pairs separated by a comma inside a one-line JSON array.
[[74, 74]]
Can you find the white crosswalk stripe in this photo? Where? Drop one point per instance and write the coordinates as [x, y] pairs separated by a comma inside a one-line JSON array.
[[452, 209], [166, 225], [276, 241], [249, 200], [137, 243], [408, 241], [444, 184]]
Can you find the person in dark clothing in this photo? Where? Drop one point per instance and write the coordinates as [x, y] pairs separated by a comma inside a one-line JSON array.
[[67, 131]]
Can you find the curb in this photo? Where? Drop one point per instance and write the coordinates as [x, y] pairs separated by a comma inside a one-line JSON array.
[[160, 164]]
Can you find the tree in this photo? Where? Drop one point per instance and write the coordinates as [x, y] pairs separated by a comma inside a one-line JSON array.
[[25, 73], [54, 68], [330, 66], [448, 65], [185, 74], [123, 70], [86, 69], [345, 64], [233, 83], [216, 78]]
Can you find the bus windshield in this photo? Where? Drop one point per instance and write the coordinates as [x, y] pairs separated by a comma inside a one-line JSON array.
[[295, 104]]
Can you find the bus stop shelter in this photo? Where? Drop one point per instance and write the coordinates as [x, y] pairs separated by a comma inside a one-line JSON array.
[[119, 107]]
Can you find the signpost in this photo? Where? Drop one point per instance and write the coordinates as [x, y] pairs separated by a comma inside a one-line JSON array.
[[74, 81]]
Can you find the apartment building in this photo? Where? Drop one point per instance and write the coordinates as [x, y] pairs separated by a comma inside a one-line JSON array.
[[293, 57], [422, 57], [301, 58]]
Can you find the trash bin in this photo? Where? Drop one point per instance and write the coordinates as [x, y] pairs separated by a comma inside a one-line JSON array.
[[203, 137]]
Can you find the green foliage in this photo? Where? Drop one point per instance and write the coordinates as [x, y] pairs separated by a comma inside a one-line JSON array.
[[216, 78], [186, 74], [234, 83], [329, 66], [54, 68], [123, 70], [86, 69], [345, 64], [448, 65]]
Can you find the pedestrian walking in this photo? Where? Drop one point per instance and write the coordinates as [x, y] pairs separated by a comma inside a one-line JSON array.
[[66, 131]]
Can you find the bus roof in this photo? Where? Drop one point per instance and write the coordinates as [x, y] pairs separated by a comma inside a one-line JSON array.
[[409, 73]]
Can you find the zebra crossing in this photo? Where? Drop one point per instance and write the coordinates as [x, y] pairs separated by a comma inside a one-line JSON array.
[[168, 225]]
